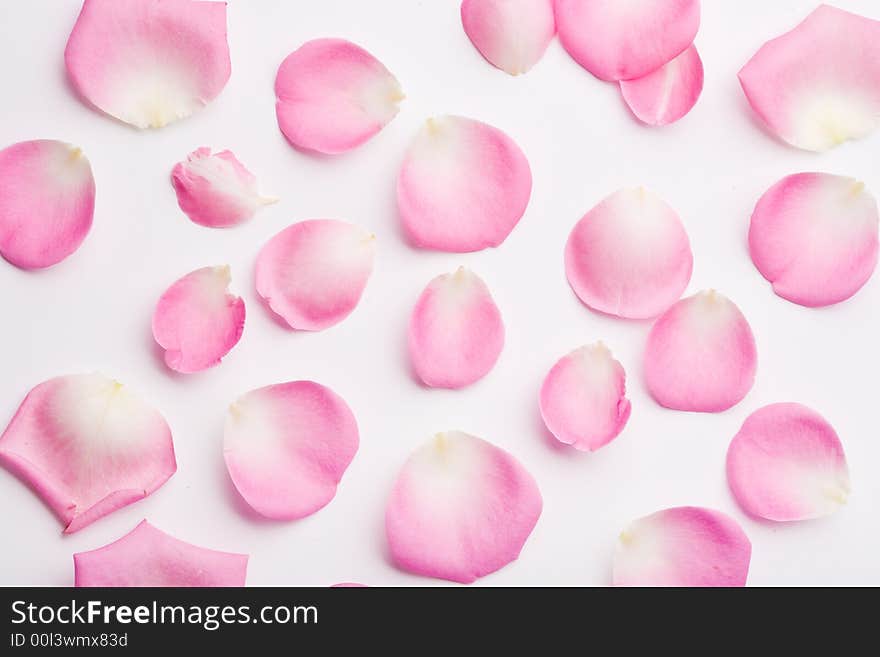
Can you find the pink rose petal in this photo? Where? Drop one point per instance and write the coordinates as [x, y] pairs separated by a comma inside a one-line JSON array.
[[460, 509], [667, 94], [88, 446], [348, 585]]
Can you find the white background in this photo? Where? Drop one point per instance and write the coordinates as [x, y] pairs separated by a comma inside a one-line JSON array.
[[92, 312]]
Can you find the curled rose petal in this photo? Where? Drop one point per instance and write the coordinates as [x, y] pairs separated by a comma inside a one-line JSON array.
[[583, 398], [814, 236], [667, 94], [819, 84], [787, 463], [287, 446], [455, 332], [333, 95], [682, 546], [313, 273], [47, 201], [149, 62], [460, 509], [147, 556], [701, 355], [629, 256], [88, 446], [197, 321], [463, 186]]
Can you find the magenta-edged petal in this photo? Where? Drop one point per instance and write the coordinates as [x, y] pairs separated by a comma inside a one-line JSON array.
[[87, 445], [667, 94], [629, 256], [149, 62], [701, 355], [463, 186], [814, 236], [787, 463], [819, 84], [287, 446], [313, 273], [333, 95], [147, 556], [47, 201], [460, 509]]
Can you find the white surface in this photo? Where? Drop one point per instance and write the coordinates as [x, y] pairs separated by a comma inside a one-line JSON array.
[[93, 311]]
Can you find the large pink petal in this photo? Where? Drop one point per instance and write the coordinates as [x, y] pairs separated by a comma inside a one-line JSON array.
[[463, 186], [629, 256], [460, 509], [814, 236], [682, 546], [88, 446], [667, 94], [287, 446], [787, 463], [47, 201], [149, 62]]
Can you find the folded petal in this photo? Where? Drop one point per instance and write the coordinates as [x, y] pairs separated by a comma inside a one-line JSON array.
[[701, 355], [455, 331], [814, 236], [787, 463], [47, 201], [583, 398], [463, 186], [333, 95], [460, 509], [668, 93], [629, 256], [149, 62], [87, 445], [313, 273], [819, 84], [147, 556], [682, 546], [287, 446]]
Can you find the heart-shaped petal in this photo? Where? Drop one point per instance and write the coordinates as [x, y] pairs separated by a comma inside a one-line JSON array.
[[667, 94]]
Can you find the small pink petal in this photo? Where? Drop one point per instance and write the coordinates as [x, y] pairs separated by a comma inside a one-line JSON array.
[[511, 34], [814, 236], [197, 321], [287, 446], [622, 40], [455, 332], [313, 273], [819, 84], [47, 201], [682, 546], [463, 186], [460, 509], [667, 94], [701, 355], [149, 62], [787, 463], [348, 585], [88, 446], [333, 95], [629, 256]]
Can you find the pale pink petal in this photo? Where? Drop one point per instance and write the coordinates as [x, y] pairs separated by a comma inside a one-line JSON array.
[[701, 355], [348, 585], [463, 186], [682, 546], [814, 236], [460, 509], [88, 446], [787, 463], [313, 273], [197, 321], [667, 94], [333, 95], [623, 39], [629, 256], [47, 201], [455, 331], [511, 34], [819, 84], [287, 446], [149, 62]]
